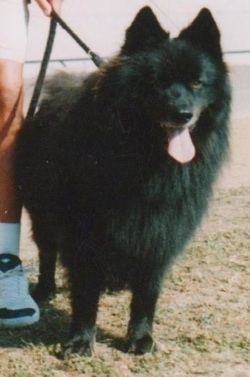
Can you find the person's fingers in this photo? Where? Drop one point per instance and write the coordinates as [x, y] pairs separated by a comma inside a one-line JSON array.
[[48, 5], [45, 5], [57, 5]]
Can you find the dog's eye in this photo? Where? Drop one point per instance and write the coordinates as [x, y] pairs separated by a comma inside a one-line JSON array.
[[196, 84]]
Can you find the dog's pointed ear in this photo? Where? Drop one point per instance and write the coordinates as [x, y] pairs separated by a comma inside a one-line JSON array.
[[144, 32], [204, 33]]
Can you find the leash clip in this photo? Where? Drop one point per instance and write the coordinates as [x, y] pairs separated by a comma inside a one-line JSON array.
[[98, 61]]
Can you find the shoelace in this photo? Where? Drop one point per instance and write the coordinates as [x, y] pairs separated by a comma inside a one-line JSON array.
[[13, 283]]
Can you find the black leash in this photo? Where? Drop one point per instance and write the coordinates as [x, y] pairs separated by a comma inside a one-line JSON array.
[[55, 18], [94, 57], [43, 69]]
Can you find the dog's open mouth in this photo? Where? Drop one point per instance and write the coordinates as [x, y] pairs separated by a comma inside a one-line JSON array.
[[179, 143]]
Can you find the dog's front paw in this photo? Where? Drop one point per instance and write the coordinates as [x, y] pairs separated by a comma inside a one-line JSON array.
[[141, 346], [78, 346]]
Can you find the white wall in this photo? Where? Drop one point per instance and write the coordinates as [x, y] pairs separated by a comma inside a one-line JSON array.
[[101, 23]]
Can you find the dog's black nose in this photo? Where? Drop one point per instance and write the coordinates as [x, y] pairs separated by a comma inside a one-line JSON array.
[[184, 116]]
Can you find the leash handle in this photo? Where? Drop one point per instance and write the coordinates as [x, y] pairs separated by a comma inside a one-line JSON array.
[[97, 60]]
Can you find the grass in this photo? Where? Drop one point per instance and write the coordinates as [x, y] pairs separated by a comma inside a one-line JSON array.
[[202, 324]]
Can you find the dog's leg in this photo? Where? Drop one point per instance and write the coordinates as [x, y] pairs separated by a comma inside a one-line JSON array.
[[47, 245], [86, 288], [145, 295], [82, 333]]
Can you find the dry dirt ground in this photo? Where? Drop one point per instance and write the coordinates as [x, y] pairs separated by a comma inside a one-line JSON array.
[[202, 324]]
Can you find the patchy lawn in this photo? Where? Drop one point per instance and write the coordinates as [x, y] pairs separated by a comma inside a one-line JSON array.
[[202, 324]]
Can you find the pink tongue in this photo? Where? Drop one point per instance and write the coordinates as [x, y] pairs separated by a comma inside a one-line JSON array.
[[180, 145]]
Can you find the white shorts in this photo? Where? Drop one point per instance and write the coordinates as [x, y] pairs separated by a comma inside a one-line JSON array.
[[14, 17]]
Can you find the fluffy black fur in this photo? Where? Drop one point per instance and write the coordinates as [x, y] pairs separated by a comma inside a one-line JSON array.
[[98, 182]]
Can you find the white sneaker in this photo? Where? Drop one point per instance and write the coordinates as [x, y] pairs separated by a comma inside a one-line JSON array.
[[17, 307]]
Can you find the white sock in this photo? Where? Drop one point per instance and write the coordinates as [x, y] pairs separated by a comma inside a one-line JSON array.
[[9, 238]]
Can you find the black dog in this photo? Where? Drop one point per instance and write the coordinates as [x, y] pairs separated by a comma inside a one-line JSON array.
[[116, 170]]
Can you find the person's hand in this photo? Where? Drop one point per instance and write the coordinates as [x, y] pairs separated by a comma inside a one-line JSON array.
[[48, 5]]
